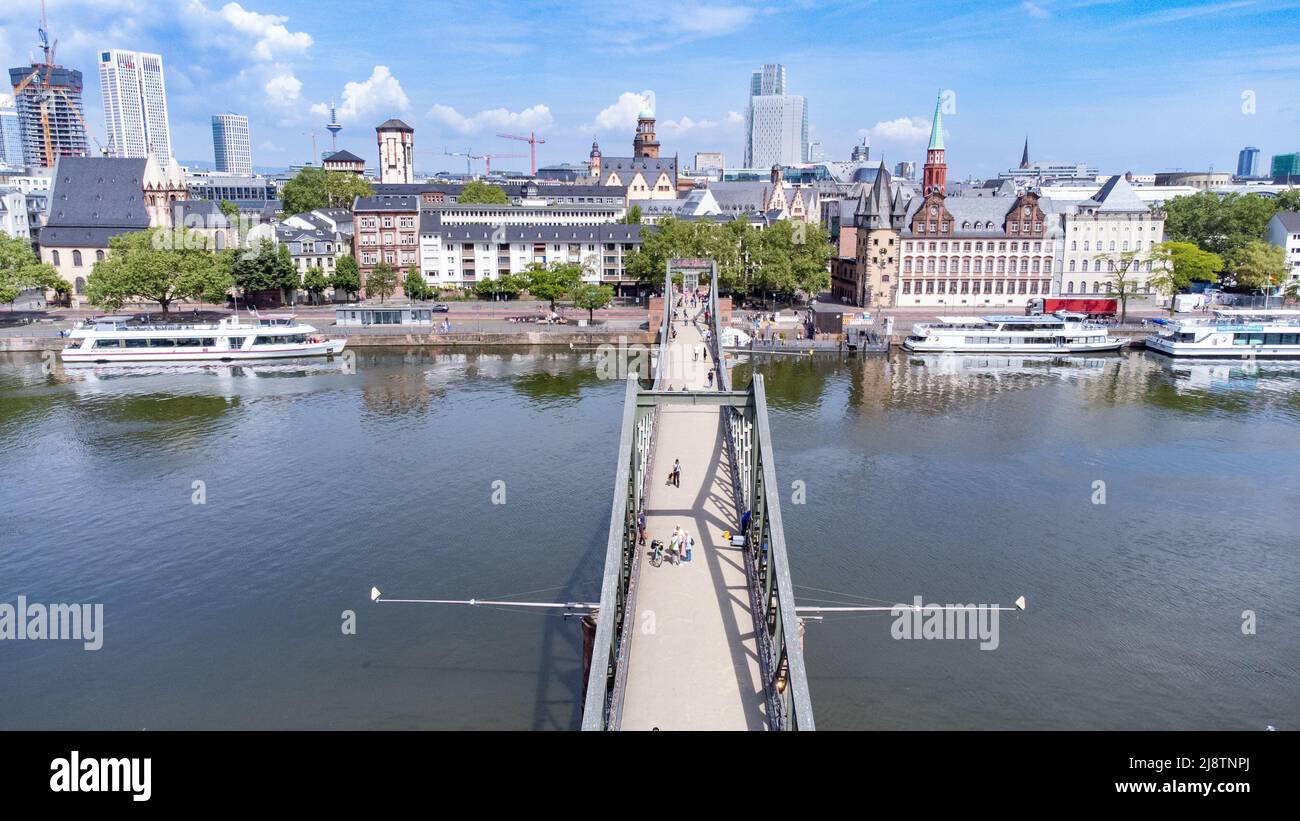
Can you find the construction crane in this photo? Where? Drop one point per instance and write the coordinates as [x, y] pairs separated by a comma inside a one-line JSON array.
[[47, 90], [469, 155], [532, 139], [490, 157]]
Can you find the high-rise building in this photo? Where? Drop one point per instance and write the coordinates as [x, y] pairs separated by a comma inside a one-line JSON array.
[[135, 104], [770, 79], [816, 153], [1285, 168], [396, 150], [11, 137], [1248, 161], [66, 129], [776, 123], [230, 146], [778, 130], [861, 152]]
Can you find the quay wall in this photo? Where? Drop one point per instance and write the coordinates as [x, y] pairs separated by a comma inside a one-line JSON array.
[[369, 340]]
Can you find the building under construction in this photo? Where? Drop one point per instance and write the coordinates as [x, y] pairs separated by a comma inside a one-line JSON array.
[[59, 89]]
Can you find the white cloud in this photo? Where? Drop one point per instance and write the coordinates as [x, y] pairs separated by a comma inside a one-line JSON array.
[[6, 100], [282, 89], [675, 128], [272, 39], [711, 19], [381, 93], [622, 115], [1035, 10], [906, 130], [735, 118], [538, 116]]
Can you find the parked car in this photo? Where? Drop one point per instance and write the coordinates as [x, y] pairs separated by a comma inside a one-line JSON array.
[[439, 308]]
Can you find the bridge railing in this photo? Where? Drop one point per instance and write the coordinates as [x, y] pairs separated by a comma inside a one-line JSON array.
[[662, 365], [767, 568], [603, 700]]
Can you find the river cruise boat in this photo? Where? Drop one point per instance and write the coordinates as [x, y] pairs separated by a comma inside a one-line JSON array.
[[123, 339], [1244, 332], [1012, 335]]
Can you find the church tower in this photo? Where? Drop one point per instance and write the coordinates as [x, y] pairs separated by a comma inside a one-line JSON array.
[[1024, 156], [935, 174], [593, 160], [644, 144]]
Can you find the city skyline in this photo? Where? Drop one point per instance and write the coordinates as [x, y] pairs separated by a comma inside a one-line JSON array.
[[1103, 95]]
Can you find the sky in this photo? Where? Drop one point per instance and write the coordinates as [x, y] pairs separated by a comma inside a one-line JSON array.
[[1119, 84]]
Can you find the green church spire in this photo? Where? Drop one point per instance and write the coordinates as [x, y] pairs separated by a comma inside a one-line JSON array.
[[936, 128]]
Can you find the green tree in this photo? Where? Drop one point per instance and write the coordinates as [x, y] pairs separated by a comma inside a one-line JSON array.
[[592, 297], [552, 282], [314, 188], [1122, 278], [19, 269], [347, 277], [415, 287], [1259, 265], [1220, 223], [504, 286], [381, 282], [271, 268], [314, 282], [1186, 263], [667, 239], [480, 193], [152, 266], [633, 216]]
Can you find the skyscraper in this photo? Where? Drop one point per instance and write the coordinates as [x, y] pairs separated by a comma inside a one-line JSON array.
[[1248, 161], [67, 131], [230, 147], [11, 137], [776, 123], [135, 104]]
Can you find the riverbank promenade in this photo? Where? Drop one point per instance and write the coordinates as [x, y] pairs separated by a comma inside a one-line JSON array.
[[693, 662]]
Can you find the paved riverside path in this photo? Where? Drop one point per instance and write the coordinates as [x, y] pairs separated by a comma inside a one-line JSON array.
[[693, 663]]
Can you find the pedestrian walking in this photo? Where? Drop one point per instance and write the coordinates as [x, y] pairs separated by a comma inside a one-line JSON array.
[[688, 544], [677, 473]]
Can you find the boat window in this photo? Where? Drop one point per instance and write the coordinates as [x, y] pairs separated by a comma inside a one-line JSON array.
[[236, 342], [187, 342], [162, 343], [137, 343], [108, 343]]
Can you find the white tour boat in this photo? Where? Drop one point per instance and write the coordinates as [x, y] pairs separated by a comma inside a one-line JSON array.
[[1244, 332], [122, 339], [1058, 334]]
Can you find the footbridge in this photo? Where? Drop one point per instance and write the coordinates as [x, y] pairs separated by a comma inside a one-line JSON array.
[[712, 642]]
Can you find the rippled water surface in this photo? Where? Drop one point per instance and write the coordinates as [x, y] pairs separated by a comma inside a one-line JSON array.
[[958, 479]]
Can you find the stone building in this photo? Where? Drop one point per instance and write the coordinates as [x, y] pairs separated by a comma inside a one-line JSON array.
[[386, 228]]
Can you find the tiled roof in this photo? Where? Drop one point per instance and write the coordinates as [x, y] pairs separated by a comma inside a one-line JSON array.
[[105, 192]]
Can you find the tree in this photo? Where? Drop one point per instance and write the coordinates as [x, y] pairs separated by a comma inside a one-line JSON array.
[[1122, 279], [480, 193], [415, 287], [1186, 263], [552, 282], [1220, 223], [19, 269], [501, 286], [271, 268], [141, 265], [314, 188], [591, 297], [314, 282], [347, 278], [1259, 265], [381, 282], [633, 216]]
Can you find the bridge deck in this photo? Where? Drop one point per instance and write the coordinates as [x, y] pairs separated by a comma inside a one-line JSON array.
[[693, 662]]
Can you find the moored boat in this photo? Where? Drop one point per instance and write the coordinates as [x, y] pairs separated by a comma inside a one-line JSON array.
[[123, 339], [1013, 335], [1237, 333]]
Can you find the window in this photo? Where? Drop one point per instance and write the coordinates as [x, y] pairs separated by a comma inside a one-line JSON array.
[[99, 255], [1072, 266], [54, 257]]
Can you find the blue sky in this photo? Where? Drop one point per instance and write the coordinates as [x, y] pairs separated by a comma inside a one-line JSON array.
[[1121, 84]]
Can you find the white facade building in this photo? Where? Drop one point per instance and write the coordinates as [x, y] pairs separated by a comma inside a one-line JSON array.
[[13, 214], [1284, 232], [1098, 232], [778, 130], [135, 104], [231, 150]]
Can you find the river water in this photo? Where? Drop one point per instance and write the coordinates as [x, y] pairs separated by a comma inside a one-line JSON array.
[[229, 519]]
